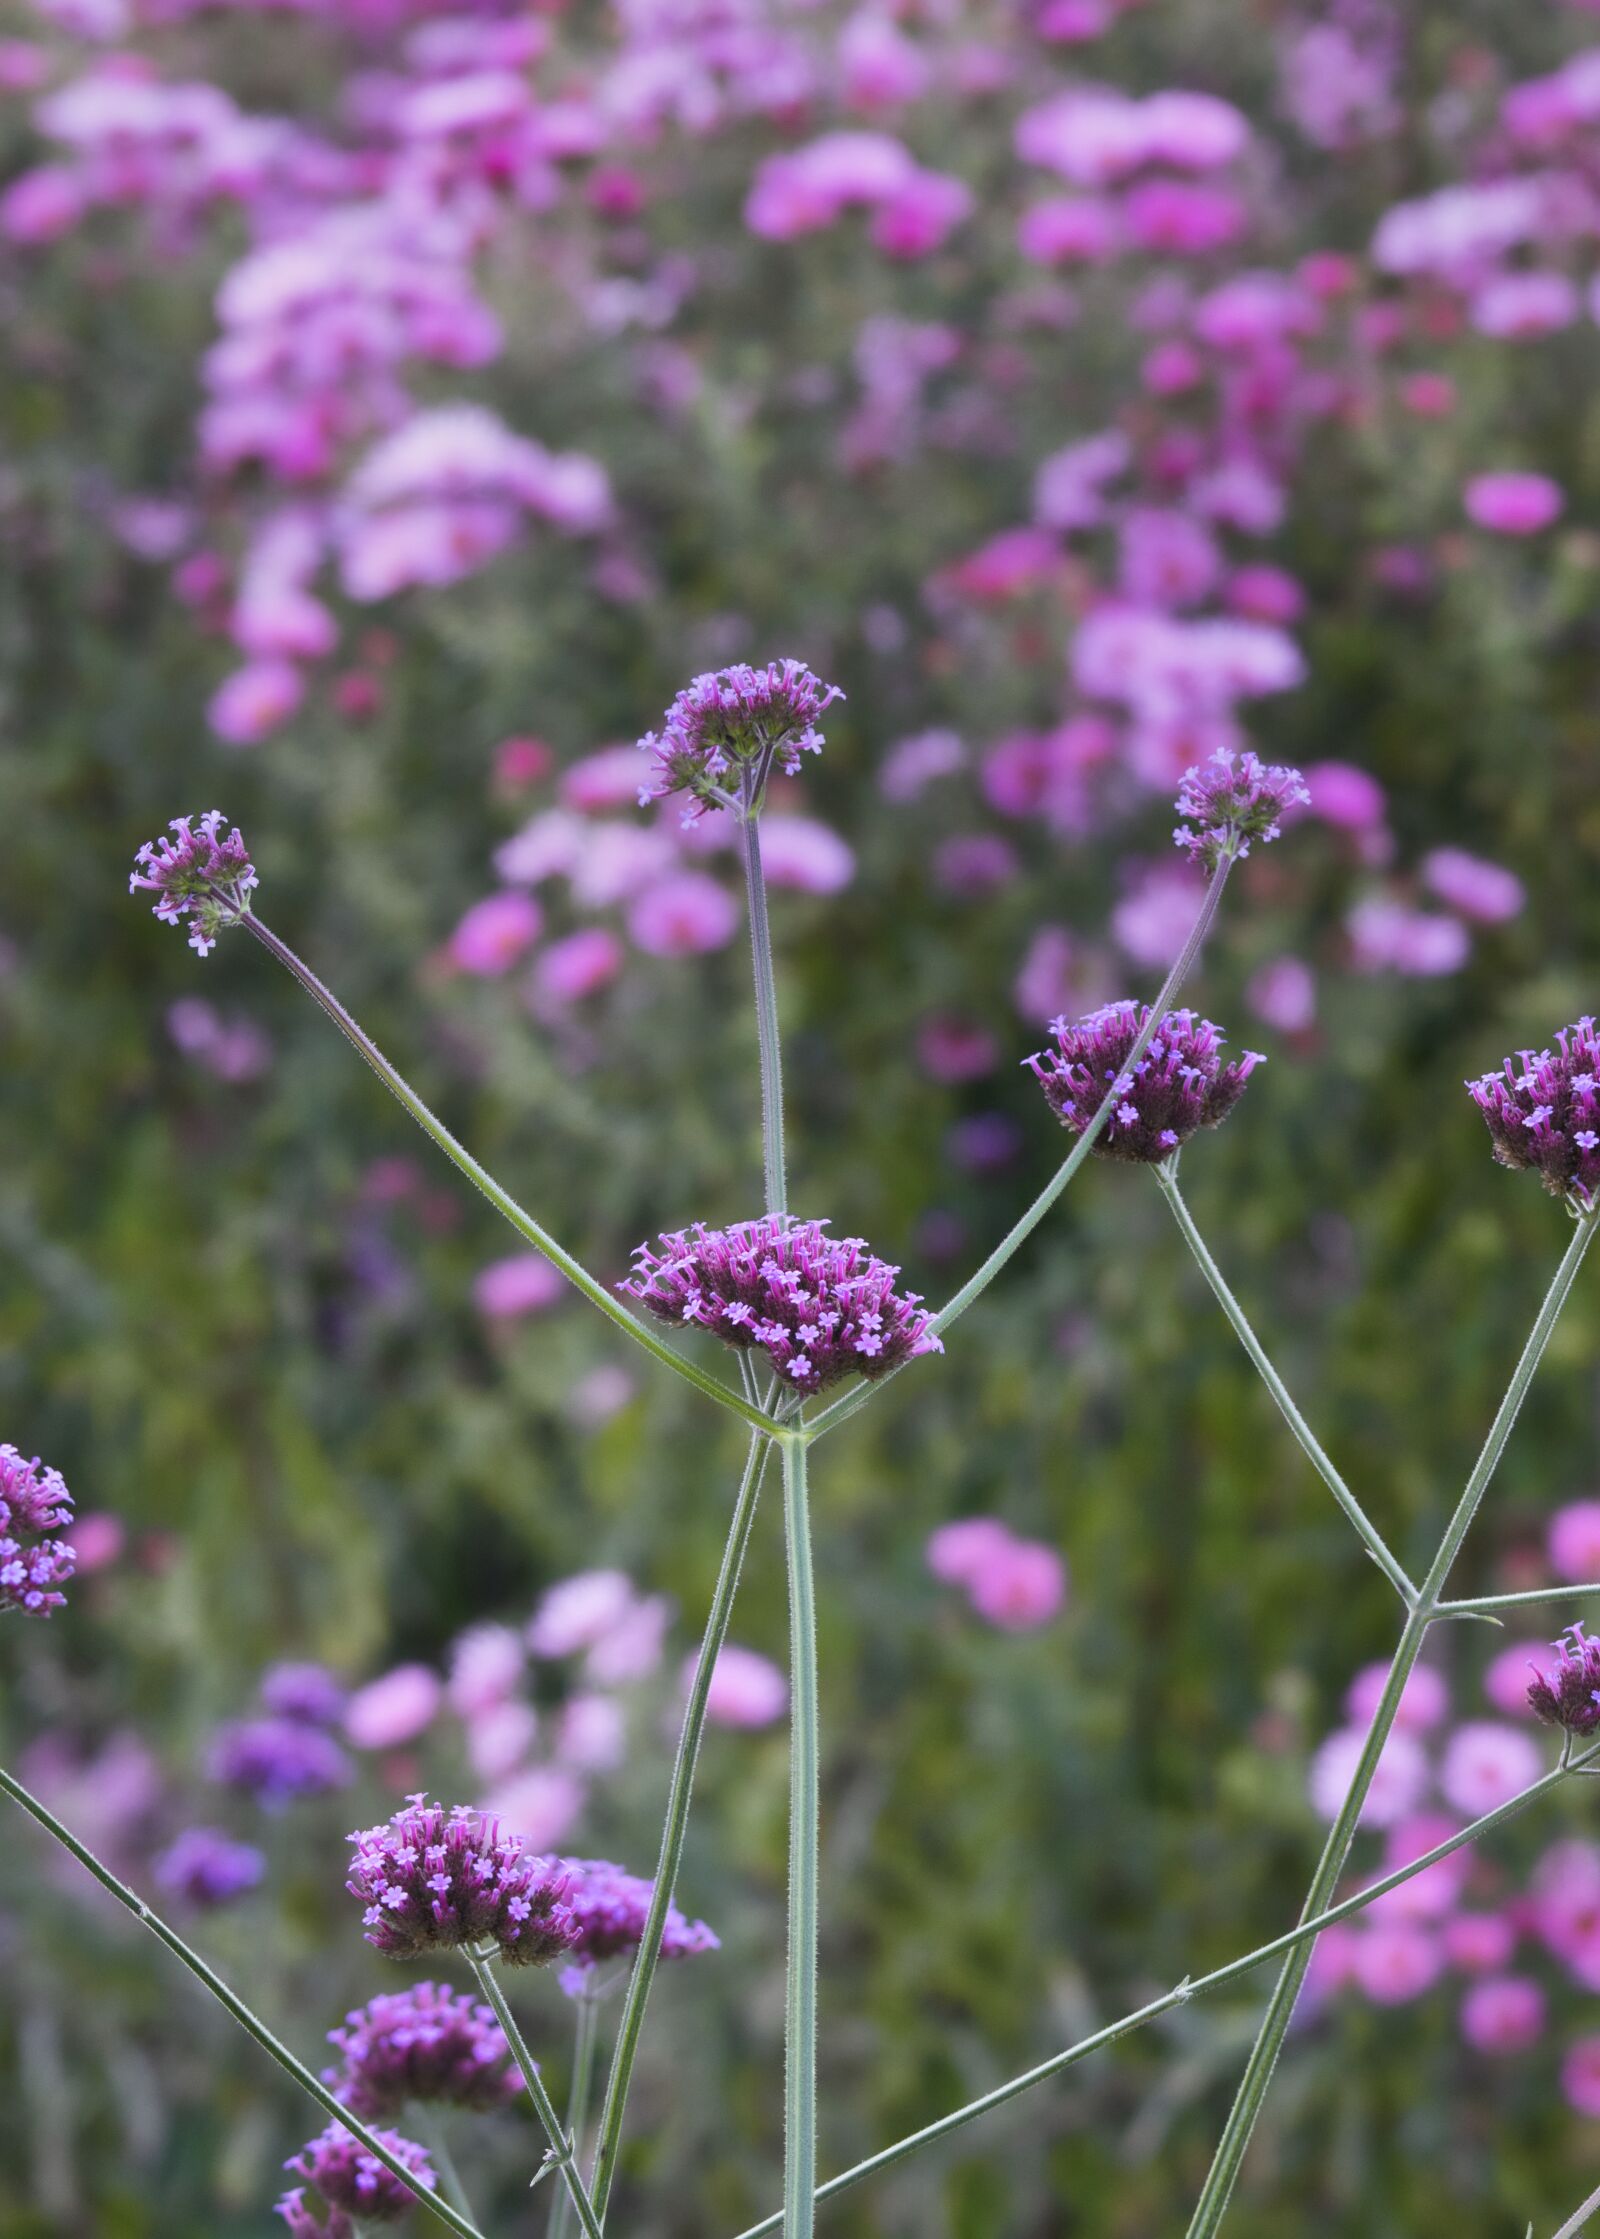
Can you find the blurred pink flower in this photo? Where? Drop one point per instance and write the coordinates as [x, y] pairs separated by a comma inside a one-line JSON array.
[[1478, 1942], [598, 782], [42, 204], [486, 1665], [1284, 993], [1069, 229], [1433, 1892], [747, 1689], [499, 1737], [255, 701], [1424, 1699], [1397, 1961], [579, 964], [539, 1804], [578, 1611], [1397, 1786], [956, 1049], [592, 1733], [632, 1647], [97, 1540], [1574, 1541], [1503, 2014], [1509, 1673], [526, 1283], [685, 915], [1580, 2075], [1520, 306], [800, 852], [1389, 935], [494, 933], [394, 1709], [1344, 795], [956, 1552], [1486, 1764], [1480, 890], [1019, 1586], [1513, 504]]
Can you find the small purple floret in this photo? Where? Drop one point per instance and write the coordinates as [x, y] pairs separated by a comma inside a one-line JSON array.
[[206, 1867], [1179, 1085], [354, 2181], [819, 1309], [34, 1566], [427, 2043], [1543, 1112], [730, 727], [610, 1906], [1232, 800], [1568, 1693], [204, 874], [434, 1880]]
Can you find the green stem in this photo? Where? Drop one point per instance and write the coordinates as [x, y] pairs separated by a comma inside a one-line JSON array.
[[1483, 1605], [842, 1409], [1218, 2189], [673, 1830], [560, 2144], [1303, 1934], [1291, 1414], [430, 2122], [503, 1203], [800, 2001], [232, 2003], [772, 1162], [585, 2039], [1575, 2223]]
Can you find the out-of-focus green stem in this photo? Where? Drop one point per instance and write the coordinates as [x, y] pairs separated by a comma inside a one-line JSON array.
[[800, 2000], [561, 2147], [766, 983], [1586, 2214], [430, 2124], [586, 2036], [1484, 1605]]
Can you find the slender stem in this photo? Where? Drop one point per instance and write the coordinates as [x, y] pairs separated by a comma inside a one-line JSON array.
[[560, 2144], [502, 1201], [235, 2005], [585, 2038], [673, 1829], [1482, 1605], [800, 2001], [1303, 1934], [1575, 2222], [976, 1285], [1218, 2189], [1291, 1414], [430, 2122], [772, 1163]]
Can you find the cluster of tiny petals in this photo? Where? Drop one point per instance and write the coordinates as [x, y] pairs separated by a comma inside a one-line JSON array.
[[610, 1906], [819, 1308], [203, 873], [1568, 1693], [1178, 1086], [354, 2181], [731, 719], [435, 1880], [428, 2043], [1231, 801], [1543, 1111], [34, 1566]]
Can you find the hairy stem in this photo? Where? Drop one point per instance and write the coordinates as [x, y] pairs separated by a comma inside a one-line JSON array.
[[676, 1823], [585, 2038], [800, 2000], [1214, 2198], [772, 1165], [1304, 1934], [1484, 1605], [233, 2004], [561, 2152], [502, 1201], [1291, 1414], [1576, 2221]]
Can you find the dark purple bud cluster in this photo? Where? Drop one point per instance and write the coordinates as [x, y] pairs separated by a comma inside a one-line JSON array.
[[1232, 800], [1568, 1693], [735, 723], [202, 873], [1543, 1111], [34, 1566], [434, 1880], [1178, 1086], [819, 1309]]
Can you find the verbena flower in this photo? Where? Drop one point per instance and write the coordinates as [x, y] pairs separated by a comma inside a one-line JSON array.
[[1179, 1085], [1568, 1693], [820, 1309], [307, 1693], [427, 2043], [354, 2181], [34, 1503], [1231, 800], [203, 874], [733, 724], [305, 2222], [435, 1880], [610, 1905], [276, 1760], [1543, 1111], [207, 1867]]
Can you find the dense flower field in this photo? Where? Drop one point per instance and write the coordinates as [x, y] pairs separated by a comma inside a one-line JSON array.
[[402, 404]]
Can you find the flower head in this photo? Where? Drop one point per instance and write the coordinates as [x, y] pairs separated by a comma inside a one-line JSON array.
[[435, 1880], [202, 874], [1568, 1693], [820, 1309], [206, 1867], [1543, 1111], [34, 1503], [1178, 1086], [355, 2182], [725, 731], [427, 2043], [610, 1905], [1231, 800]]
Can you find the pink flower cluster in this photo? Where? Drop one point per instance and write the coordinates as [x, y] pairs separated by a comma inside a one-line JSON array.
[[1014, 1584]]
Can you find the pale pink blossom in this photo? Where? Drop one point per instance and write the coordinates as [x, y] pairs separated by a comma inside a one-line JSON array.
[[499, 1737], [1574, 1541], [495, 933], [747, 1689], [486, 1665], [578, 1611], [631, 1648], [1484, 891], [957, 1551], [255, 701], [1580, 2076], [1478, 1942], [1397, 1785], [1513, 504], [685, 915], [592, 1733], [1424, 1699], [1019, 1586], [1396, 1961], [1503, 2014], [1485, 1764], [541, 1804], [579, 964], [394, 1709], [524, 1283]]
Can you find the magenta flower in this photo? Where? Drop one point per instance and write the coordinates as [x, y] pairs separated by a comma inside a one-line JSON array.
[[1547, 1115], [1179, 1086], [1231, 800], [1574, 1540], [206, 1867], [723, 733], [610, 1905], [34, 1565], [276, 1760], [747, 1689], [819, 1309], [354, 2181], [427, 2043], [1513, 504], [202, 874], [394, 1708], [437, 1881], [1019, 1587], [1567, 1694]]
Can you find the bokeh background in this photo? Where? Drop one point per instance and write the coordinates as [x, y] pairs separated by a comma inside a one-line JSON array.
[[400, 404]]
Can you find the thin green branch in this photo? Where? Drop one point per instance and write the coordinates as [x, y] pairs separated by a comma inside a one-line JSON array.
[[233, 2004], [1304, 1933], [1310, 1445], [800, 1997], [586, 2037], [561, 2147], [1483, 1605], [431, 2128], [502, 1201], [1575, 2222]]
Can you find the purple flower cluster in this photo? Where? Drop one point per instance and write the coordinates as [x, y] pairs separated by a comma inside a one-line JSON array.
[[34, 1503], [820, 1309], [1547, 1115], [203, 874], [352, 2181], [307, 1693], [610, 1905], [733, 725], [1568, 1693], [1231, 800], [276, 1760], [206, 1867], [1179, 1085], [427, 2043], [434, 1880]]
